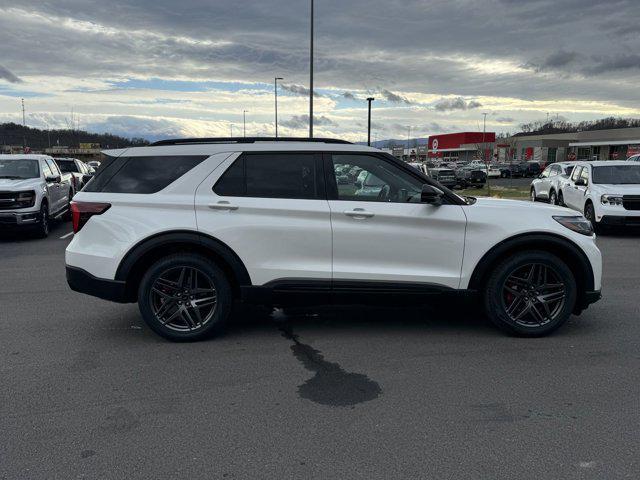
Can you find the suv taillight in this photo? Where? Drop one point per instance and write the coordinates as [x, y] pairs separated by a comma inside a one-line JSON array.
[[81, 212]]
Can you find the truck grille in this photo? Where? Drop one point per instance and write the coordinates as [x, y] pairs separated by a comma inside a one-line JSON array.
[[631, 202], [8, 200]]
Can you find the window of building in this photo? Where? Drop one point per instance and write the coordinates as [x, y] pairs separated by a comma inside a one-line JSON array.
[[551, 154]]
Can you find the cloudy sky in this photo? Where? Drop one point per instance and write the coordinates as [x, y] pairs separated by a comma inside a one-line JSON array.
[[158, 68]]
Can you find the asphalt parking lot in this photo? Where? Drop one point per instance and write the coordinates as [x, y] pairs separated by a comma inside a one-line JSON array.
[[89, 392]]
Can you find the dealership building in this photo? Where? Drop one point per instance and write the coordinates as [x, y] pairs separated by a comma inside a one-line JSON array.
[[612, 144], [463, 146]]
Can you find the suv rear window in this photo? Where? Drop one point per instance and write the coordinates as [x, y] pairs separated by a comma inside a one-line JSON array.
[[280, 175], [142, 174]]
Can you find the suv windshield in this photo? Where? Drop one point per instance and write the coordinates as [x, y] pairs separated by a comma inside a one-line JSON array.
[[19, 169], [67, 166], [617, 174]]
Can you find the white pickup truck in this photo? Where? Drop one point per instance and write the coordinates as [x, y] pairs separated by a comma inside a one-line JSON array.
[[33, 191], [607, 192]]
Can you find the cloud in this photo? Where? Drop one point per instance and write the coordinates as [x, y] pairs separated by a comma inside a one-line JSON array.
[[607, 64], [5, 74], [299, 90], [505, 119], [458, 103], [394, 98], [302, 121], [349, 96]]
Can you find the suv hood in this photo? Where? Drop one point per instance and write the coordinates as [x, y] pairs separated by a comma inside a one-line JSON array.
[[11, 185], [522, 206], [630, 189]]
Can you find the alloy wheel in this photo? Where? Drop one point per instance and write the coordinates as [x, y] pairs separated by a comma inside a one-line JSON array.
[[533, 295], [44, 218], [553, 198], [183, 298]]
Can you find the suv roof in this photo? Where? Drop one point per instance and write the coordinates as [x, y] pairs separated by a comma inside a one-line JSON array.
[[211, 146]]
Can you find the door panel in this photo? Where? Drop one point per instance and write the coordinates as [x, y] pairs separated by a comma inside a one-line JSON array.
[[410, 242], [275, 238], [382, 232]]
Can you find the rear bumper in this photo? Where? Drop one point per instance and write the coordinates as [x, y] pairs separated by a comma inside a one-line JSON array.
[[620, 221], [82, 281]]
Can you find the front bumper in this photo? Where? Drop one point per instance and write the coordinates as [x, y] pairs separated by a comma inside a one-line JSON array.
[[620, 220], [19, 219], [83, 282]]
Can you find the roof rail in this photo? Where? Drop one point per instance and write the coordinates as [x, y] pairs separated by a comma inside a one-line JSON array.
[[191, 141]]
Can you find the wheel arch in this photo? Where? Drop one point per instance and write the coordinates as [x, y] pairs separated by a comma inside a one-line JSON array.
[[139, 258], [557, 245]]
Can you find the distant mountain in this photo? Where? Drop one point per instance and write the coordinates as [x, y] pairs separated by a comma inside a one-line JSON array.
[[37, 139]]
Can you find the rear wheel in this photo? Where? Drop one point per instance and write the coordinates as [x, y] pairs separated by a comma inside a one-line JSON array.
[[553, 198], [530, 294], [185, 297]]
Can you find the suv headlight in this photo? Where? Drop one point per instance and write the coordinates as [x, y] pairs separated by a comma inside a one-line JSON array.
[[578, 224], [26, 199], [610, 199]]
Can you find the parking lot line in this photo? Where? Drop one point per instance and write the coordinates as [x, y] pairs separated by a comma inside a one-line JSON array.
[[66, 235]]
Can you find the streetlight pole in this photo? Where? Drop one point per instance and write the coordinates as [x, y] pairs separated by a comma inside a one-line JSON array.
[[369, 100], [244, 123], [275, 91], [311, 77], [24, 128], [484, 151]]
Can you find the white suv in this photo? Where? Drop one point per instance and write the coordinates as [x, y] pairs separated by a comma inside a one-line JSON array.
[[606, 191], [188, 227], [547, 185]]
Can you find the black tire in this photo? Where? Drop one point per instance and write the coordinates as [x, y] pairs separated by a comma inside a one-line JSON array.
[[185, 327], [42, 228], [532, 195], [497, 291], [67, 215], [553, 197], [590, 214], [561, 200]]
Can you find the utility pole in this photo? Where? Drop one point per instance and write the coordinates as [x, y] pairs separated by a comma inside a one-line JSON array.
[[408, 136], [244, 123], [484, 151], [275, 90], [369, 100], [311, 77], [24, 128]]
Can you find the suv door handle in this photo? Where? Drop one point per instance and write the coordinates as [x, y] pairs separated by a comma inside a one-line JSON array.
[[359, 213], [222, 205]]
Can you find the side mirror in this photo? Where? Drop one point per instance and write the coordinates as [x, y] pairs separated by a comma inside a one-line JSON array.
[[53, 178], [431, 195]]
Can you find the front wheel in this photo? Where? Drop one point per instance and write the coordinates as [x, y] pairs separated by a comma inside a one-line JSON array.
[[533, 196], [530, 294], [553, 198], [590, 214], [185, 297], [42, 229]]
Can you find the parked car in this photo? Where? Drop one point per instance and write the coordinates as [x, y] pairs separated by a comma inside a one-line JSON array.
[[33, 191], [634, 158], [494, 171], [511, 170], [444, 176], [264, 222], [79, 171], [547, 185], [470, 177], [607, 192], [530, 169], [94, 164]]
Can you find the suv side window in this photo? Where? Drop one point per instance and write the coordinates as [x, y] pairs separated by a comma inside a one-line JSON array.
[[146, 174], [584, 175], [271, 175], [546, 173], [378, 180], [576, 173]]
